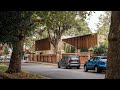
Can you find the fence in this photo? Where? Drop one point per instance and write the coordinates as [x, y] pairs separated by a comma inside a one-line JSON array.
[[51, 58]]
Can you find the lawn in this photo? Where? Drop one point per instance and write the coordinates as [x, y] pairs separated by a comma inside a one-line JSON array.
[[3, 67]]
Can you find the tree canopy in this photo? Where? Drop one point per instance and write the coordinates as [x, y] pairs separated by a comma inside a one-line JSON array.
[[58, 22], [14, 25]]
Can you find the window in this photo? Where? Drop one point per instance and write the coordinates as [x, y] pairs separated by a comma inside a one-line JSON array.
[[96, 58], [74, 58], [91, 59], [103, 57]]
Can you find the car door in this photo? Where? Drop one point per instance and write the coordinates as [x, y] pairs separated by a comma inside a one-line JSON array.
[[93, 63], [90, 63], [60, 62], [63, 61]]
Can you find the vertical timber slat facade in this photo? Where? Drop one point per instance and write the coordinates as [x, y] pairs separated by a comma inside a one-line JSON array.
[[85, 41]]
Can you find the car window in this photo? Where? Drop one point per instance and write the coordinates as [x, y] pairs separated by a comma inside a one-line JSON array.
[[91, 59], [75, 58], [104, 59], [96, 58], [62, 58]]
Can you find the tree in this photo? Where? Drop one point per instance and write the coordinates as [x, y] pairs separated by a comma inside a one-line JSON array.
[[102, 49], [104, 25], [14, 26], [113, 63], [6, 51], [57, 22], [80, 28]]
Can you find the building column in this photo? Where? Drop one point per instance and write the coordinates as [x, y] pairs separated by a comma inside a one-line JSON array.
[[89, 52], [77, 51]]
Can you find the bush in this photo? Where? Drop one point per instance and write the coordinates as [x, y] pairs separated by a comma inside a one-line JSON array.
[[6, 51], [101, 49], [84, 50]]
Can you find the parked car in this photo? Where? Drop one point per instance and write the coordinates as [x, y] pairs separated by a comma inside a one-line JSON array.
[[2, 58], [97, 63], [69, 62]]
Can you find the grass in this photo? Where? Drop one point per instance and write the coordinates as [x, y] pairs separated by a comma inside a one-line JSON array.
[[27, 75], [3, 67], [20, 75]]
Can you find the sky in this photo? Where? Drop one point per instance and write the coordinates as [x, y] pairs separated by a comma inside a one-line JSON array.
[[93, 20]]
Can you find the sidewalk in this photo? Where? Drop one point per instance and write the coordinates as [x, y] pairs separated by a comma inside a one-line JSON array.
[[45, 63]]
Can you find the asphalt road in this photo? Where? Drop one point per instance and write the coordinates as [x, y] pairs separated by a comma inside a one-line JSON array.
[[52, 72]]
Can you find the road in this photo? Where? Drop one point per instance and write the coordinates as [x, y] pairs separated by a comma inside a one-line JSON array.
[[52, 72]]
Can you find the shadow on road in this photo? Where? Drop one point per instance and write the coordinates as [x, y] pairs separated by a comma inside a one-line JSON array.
[[92, 71]]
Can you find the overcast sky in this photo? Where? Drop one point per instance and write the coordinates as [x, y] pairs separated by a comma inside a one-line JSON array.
[[94, 19]]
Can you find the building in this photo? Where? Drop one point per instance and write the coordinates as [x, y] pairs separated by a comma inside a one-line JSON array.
[[86, 41]]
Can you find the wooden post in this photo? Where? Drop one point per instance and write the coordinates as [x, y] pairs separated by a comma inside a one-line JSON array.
[[89, 52]]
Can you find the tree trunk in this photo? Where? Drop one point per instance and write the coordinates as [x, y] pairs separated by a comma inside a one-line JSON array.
[[55, 49], [113, 67], [15, 62], [56, 52]]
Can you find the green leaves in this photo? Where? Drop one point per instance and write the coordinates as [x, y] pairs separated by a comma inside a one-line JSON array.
[[101, 49], [80, 28], [6, 51], [59, 22], [104, 23], [14, 24]]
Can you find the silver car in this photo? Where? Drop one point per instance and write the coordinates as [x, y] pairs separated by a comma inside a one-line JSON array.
[[69, 62]]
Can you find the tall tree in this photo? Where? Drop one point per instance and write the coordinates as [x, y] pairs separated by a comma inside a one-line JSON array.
[[113, 68], [14, 26], [57, 22], [104, 25], [80, 28]]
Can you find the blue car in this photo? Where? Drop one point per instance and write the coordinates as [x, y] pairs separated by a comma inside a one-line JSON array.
[[97, 63]]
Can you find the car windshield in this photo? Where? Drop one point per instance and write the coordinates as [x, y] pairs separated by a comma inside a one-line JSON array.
[[74, 58], [104, 59]]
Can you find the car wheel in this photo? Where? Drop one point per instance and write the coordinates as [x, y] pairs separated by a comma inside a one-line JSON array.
[[85, 68], [66, 67], [58, 65], [97, 70]]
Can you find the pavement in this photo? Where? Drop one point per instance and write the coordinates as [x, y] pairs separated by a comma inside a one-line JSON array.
[[53, 72], [44, 63], [47, 63]]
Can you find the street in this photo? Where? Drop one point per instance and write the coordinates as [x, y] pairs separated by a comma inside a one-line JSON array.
[[52, 72]]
